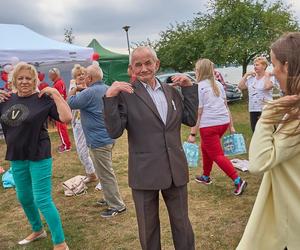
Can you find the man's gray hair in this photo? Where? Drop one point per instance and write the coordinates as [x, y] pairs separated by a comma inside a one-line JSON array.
[[150, 49], [55, 71]]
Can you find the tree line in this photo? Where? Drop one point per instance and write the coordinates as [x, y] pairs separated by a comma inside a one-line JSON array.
[[227, 32]]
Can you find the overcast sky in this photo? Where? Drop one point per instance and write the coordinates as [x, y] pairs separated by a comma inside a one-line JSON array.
[[104, 19]]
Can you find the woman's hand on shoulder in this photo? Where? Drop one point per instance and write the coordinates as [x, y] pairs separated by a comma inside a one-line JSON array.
[[4, 96]]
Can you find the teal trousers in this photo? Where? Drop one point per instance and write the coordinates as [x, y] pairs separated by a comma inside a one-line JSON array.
[[33, 187]]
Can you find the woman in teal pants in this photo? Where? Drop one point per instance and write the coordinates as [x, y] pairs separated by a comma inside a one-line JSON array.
[[23, 118]]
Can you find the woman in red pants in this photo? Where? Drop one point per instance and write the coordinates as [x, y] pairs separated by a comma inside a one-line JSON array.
[[214, 119]]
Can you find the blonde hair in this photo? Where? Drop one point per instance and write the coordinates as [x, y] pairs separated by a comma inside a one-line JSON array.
[[205, 71], [25, 66], [77, 70], [262, 60]]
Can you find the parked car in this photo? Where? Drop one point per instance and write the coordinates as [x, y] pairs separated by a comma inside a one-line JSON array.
[[166, 78], [233, 93]]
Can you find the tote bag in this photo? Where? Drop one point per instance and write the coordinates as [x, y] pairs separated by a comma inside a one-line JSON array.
[[191, 151], [234, 144]]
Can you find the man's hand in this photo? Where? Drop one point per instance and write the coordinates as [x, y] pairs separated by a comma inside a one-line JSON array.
[[4, 96], [49, 91], [181, 80], [118, 87]]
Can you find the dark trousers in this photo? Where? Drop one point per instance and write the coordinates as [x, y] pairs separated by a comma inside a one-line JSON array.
[[254, 116], [147, 211]]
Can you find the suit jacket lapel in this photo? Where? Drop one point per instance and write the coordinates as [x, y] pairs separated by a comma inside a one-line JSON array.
[[142, 93]]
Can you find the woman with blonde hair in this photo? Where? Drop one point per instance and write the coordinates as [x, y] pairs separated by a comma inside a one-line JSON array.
[[23, 119], [259, 84], [274, 223], [78, 82], [214, 119]]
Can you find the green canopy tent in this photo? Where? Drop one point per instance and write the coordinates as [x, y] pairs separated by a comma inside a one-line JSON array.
[[114, 65]]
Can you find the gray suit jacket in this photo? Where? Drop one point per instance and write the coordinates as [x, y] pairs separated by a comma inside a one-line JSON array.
[[156, 157]]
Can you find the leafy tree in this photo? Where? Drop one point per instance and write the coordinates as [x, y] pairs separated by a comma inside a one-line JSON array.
[[69, 37], [236, 31], [179, 47], [228, 32], [148, 42]]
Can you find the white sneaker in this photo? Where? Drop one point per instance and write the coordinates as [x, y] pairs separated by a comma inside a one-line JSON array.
[[40, 236], [98, 187]]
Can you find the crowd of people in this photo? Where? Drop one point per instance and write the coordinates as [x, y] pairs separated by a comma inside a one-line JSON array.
[[152, 114]]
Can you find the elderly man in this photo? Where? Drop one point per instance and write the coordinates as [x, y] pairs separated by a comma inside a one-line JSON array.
[[62, 129], [152, 113], [89, 102]]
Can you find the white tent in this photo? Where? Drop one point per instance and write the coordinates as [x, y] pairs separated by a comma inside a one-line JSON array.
[[29, 46]]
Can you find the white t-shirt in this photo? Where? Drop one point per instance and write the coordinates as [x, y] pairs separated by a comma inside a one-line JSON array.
[[257, 94], [214, 111]]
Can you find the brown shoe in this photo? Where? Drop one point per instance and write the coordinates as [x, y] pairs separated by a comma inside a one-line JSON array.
[[90, 178]]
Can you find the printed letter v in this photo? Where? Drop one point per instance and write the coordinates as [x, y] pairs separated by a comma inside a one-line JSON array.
[[13, 115]]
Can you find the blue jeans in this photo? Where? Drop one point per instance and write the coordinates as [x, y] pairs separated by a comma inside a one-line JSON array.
[[33, 187]]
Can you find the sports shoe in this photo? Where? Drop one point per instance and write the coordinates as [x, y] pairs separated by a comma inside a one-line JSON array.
[[62, 149], [111, 212], [240, 187], [203, 179]]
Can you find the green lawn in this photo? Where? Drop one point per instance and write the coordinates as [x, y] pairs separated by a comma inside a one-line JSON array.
[[217, 216]]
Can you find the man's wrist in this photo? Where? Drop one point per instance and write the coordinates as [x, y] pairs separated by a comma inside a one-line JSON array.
[[73, 91]]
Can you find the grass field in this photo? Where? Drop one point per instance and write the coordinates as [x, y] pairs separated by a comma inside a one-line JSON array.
[[218, 217]]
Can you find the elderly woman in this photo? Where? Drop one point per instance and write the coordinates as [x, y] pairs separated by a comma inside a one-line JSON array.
[[23, 118], [78, 82], [274, 223], [259, 84]]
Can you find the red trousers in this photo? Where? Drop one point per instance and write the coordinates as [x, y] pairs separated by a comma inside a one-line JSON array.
[[212, 151], [62, 130]]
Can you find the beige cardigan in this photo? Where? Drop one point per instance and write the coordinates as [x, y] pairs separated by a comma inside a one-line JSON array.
[[274, 222]]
